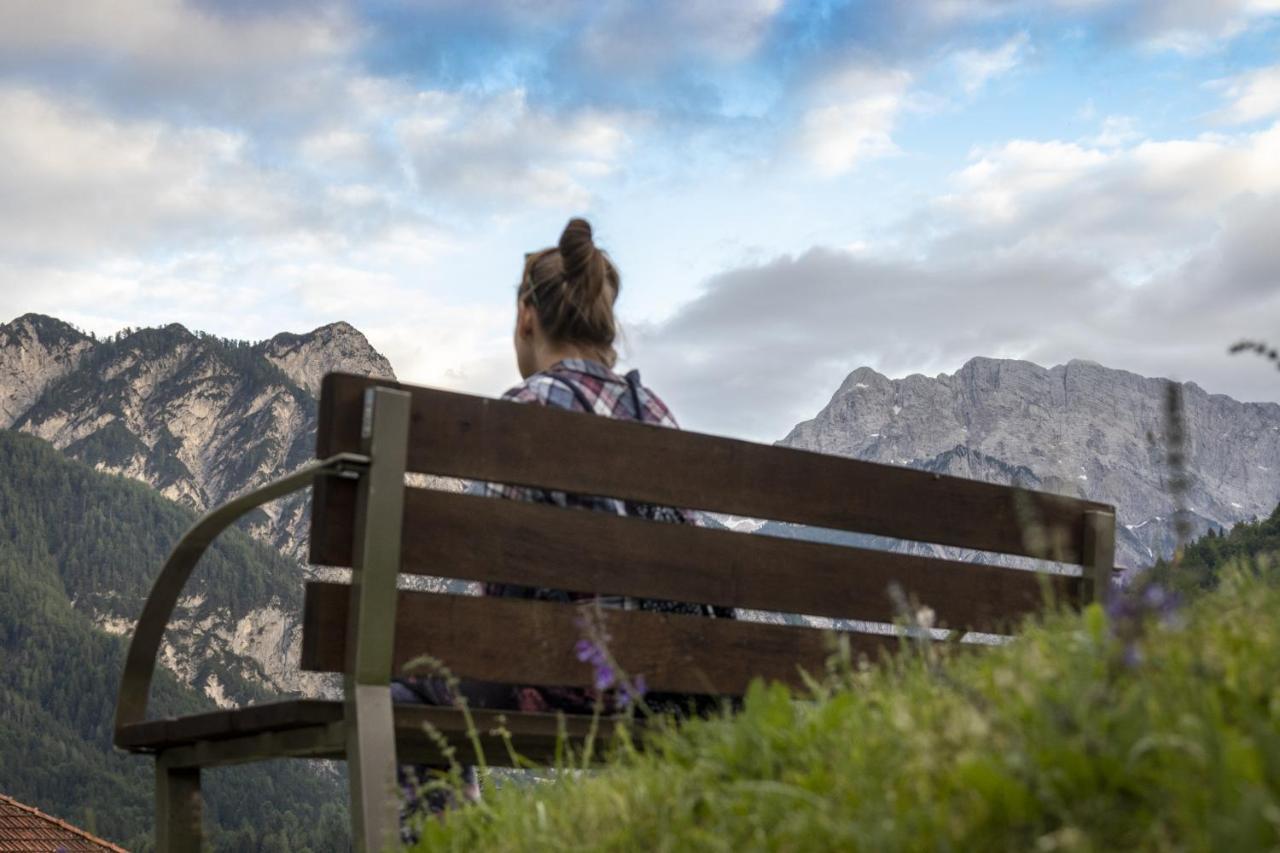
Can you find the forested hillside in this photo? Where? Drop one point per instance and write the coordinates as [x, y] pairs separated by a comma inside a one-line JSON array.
[[200, 419], [70, 535], [1201, 564]]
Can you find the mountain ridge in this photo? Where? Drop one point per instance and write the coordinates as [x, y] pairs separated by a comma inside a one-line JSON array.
[[200, 419], [1077, 428]]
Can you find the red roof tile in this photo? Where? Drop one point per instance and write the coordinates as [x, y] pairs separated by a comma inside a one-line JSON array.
[[24, 829]]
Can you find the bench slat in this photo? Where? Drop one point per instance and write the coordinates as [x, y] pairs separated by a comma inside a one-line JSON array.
[[533, 735], [532, 642], [476, 438], [479, 539]]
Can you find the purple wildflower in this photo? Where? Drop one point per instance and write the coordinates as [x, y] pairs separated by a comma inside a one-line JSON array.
[[1130, 611], [631, 692], [1162, 603], [593, 649], [592, 653]]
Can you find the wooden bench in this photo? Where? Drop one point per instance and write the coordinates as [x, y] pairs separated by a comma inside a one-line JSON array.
[[372, 432]]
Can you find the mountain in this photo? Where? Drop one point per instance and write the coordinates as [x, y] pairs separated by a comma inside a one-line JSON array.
[[1079, 428], [34, 352], [1250, 545], [78, 550], [200, 419]]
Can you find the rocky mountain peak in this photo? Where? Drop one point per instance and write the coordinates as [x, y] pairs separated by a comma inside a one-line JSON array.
[[863, 378], [198, 417], [35, 350], [1079, 428], [338, 346], [42, 327]]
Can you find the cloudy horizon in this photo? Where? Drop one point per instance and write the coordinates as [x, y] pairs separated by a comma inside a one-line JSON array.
[[792, 190]]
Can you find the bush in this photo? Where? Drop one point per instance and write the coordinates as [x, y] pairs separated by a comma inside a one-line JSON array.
[[1144, 730]]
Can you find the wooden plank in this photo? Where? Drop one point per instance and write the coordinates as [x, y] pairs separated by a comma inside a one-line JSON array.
[[308, 731], [499, 441], [319, 742], [214, 725], [532, 642], [333, 515], [480, 539]]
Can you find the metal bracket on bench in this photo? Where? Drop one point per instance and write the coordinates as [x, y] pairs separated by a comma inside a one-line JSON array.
[[139, 667]]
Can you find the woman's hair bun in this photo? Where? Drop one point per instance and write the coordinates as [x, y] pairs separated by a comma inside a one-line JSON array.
[[577, 251], [573, 288]]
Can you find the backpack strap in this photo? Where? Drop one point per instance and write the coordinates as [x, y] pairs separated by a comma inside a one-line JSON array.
[[633, 389], [578, 393], [633, 383]]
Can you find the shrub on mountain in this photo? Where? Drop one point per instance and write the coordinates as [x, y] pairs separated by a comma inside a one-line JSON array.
[[1200, 565]]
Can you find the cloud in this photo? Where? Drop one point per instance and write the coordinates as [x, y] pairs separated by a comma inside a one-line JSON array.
[[1116, 131], [623, 36], [1188, 26], [1129, 201], [850, 118], [915, 33], [1181, 26], [979, 67], [1253, 95], [763, 347], [77, 181], [207, 57], [81, 182], [1152, 257], [227, 163], [497, 149]]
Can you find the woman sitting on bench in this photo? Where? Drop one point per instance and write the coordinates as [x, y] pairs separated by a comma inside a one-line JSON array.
[[564, 334]]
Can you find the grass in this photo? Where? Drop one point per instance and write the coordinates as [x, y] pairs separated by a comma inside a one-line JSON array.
[[1084, 734]]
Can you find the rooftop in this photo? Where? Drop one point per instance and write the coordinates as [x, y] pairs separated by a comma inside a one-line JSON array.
[[26, 829]]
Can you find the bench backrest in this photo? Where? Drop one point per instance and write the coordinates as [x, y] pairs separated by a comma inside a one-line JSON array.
[[479, 539]]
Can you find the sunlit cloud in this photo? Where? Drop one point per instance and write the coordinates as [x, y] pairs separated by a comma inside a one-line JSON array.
[[796, 189]]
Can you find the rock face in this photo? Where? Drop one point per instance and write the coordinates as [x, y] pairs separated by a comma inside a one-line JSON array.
[[338, 347], [200, 419], [34, 351], [1078, 429]]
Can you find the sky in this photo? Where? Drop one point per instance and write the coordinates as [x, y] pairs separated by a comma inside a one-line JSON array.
[[791, 189]]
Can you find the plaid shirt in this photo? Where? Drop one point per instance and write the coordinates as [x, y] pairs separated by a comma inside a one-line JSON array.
[[588, 386]]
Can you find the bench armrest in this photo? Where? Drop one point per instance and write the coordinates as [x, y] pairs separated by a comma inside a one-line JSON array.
[[139, 667]]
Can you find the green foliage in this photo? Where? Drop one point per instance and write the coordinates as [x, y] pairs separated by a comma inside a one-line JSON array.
[[1201, 564], [75, 541], [113, 446], [1051, 742], [107, 535]]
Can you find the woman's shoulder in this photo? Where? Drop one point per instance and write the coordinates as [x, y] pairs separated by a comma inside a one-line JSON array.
[[656, 411], [582, 385], [542, 388]]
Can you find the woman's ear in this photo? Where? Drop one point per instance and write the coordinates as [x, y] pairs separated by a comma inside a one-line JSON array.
[[526, 320]]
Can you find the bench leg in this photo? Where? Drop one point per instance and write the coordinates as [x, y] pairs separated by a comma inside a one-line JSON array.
[[371, 768], [178, 809], [371, 736]]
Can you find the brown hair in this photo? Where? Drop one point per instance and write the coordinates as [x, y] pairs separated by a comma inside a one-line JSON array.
[[572, 288]]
